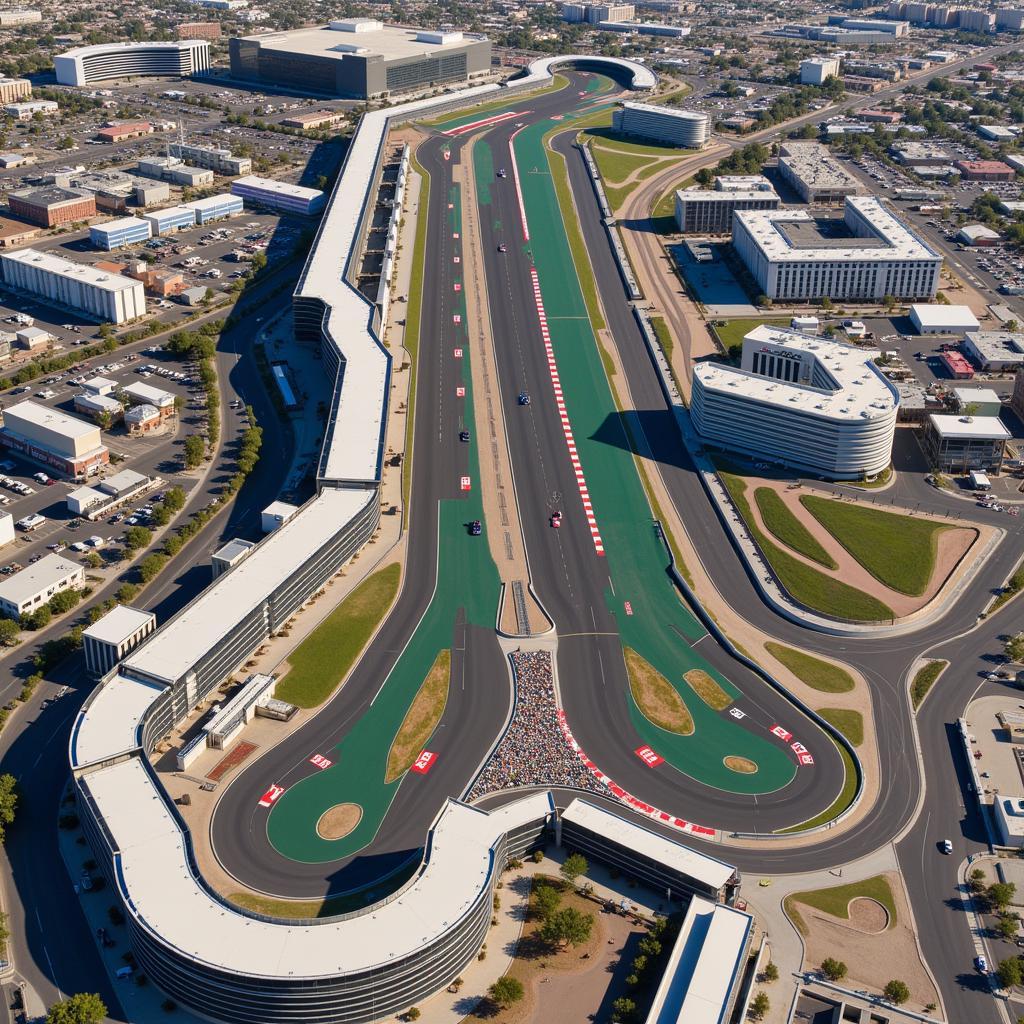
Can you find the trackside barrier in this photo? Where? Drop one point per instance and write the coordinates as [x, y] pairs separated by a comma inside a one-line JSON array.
[[671, 394]]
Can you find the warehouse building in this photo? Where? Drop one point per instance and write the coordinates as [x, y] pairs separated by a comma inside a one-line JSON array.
[[815, 174], [995, 351], [27, 109], [215, 207], [117, 233], [709, 211], [170, 168], [985, 170], [964, 444], [171, 219], [662, 124], [814, 405], [279, 195], [867, 255], [359, 58], [106, 296], [219, 160], [942, 318], [112, 638], [27, 590], [977, 234], [107, 61], [315, 119], [52, 206], [815, 70], [65, 443]]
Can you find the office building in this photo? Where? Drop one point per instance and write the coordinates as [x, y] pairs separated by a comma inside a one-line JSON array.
[[867, 255], [815, 174], [815, 70], [964, 444], [104, 62], [27, 109], [278, 195], [592, 14], [198, 30], [171, 219], [662, 124], [66, 443], [149, 193], [811, 404], [28, 589], [52, 206], [985, 170], [995, 351], [117, 233], [170, 168], [942, 318], [212, 158], [140, 393], [78, 286], [103, 410], [110, 639], [215, 207], [972, 20], [19, 16], [977, 401], [709, 211], [120, 131], [1010, 19], [359, 58]]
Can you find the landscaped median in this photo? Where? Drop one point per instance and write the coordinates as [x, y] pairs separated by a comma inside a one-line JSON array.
[[924, 679], [818, 674]]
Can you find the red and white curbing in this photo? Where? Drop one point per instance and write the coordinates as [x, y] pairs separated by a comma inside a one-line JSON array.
[[485, 122], [627, 798], [577, 467]]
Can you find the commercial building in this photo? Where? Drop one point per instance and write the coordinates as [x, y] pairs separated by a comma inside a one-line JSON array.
[[985, 170], [359, 58], [141, 419], [998, 132], [173, 170], [19, 16], [645, 28], [108, 61], [75, 285], [98, 408], [121, 130], [171, 219], [111, 639], [117, 233], [866, 256], [140, 393], [962, 444], [27, 109], [939, 318], [33, 338], [279, 195], [212, 158], [662, 124], [314, 119], [52, 206], [6, 528], [150, 193], [921, 154], [1008, 812], [66, 443], [709, 211], [15, 232], [815, 174], [33, 586], [815, 70], [808, 403], [977, 234], [996, 351], [977, 401], [215, 207], [592, 14]]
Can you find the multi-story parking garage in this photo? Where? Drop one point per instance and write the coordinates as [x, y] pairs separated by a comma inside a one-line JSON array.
[[107, 61]]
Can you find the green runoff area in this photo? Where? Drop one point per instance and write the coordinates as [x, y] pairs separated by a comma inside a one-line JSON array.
[[466, 579], [660, 629], [836, 901]]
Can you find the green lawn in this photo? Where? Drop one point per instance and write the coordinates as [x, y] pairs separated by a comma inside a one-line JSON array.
[[786, 528], [805, 584], [837, 901], [664, 336], [924, 680], [616, 166], [898, 550], [324, 658], [731, 332], [821, 675], [840, 803], [850, 723], [608, 139]]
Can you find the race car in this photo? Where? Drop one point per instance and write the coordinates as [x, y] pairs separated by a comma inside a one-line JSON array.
[[502, 247], [464, 436], [476, 528], [524, 398], [502, 172], [556, 519]]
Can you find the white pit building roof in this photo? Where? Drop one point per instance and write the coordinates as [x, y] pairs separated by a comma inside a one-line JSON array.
[[118, 624], [109, 723]]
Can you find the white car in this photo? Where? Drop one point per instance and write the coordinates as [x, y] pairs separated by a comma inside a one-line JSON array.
[[946, 846]]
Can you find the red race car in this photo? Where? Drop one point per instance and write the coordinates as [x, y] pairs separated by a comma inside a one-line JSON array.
[[556, 519]]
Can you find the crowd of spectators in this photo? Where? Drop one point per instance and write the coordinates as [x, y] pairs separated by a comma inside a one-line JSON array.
[[534, 751]]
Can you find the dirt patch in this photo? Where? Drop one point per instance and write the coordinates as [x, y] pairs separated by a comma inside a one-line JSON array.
[[339, 821], [655, 696], [743, 765], [868, 916], [708, 689], [421, 719], [238, 753]]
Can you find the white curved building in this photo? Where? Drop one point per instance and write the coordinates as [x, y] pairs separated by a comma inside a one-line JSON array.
[[179, 58], [813, 405]]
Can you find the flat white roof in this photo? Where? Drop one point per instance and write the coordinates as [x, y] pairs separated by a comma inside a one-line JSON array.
[[182, 641], [100, 403], [118, 624], [119, 223], [48, 261], [978, 428], [982, 395], [99, 383], [815, 166], [34, 579], [711, 872], [1005, 346], [696, 116], [281, 188], [170, 44], [704, 967], [168, 901], [108, 724], [898, 241], [281, 508], [148, 393], [732, 195], [212, 202], [52, 419], [861, 390], [170, 211], [124, 480], [936, 314]]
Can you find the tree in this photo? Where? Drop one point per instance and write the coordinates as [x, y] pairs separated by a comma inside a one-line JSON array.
[[413, 1013], [545, 900], [94, 560], [834, 970], [1000, 895], [567, 926], [896, 991], [771, 971], [136, 537], [976, 881], [1009, 972], [623, 1009], [759, 1006], [8, 632], [8, 802], [1014, 647], [889, 302], [64, 601], [506, 991], [150, 566], [574, 866], [195, 450], [83, 1008]]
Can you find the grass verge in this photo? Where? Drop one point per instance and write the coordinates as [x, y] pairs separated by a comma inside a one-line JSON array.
[[664, 336], [841, 802], [1013, 587], [898, 550], [616, 165], [708, 689], [656, 697], [324, 658], [818, 674], [421, 719], [849, 722], [924, 680], [804, 584], [780, 522], [730, 333], [837, 901]]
